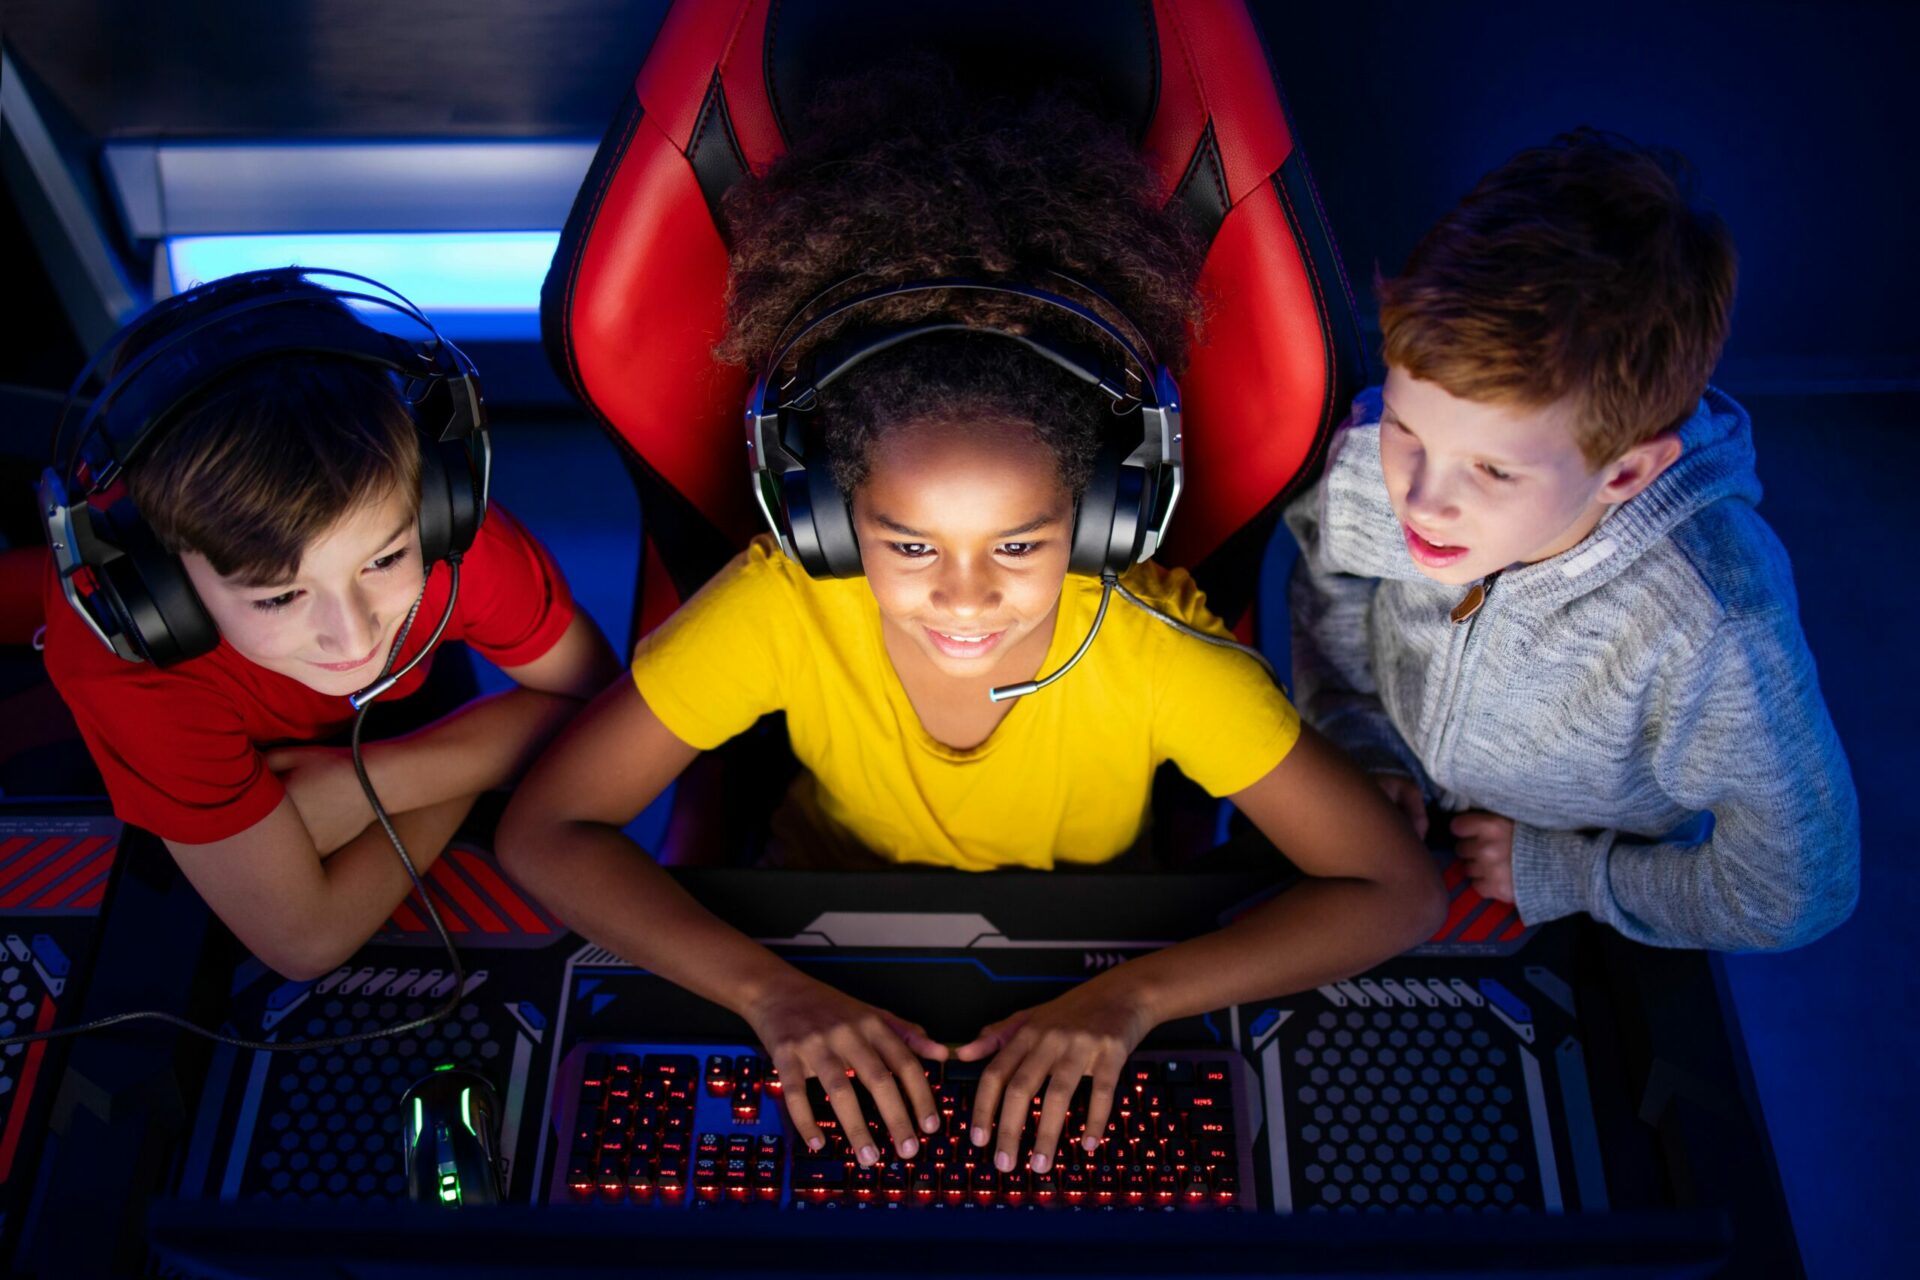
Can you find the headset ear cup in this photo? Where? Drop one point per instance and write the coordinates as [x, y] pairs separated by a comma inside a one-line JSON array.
[[148, 591], [466, 499], [436, 505], [1093, 515], [819, 524], [1112, 515], [833, 524]]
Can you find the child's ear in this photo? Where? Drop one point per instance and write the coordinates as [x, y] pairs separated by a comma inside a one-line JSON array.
[[1639, 467]]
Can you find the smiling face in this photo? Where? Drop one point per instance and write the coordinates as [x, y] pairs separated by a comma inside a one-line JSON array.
[[1480, 487], [964, 534], [330, 624]]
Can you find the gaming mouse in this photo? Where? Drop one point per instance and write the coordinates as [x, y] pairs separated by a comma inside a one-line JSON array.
[[450, 1127]]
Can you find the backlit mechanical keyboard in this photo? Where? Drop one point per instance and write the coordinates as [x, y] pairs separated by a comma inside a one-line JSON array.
[[706, 1126]]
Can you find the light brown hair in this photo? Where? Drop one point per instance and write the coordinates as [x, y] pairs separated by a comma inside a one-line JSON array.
[[256, 469], [1579, 269]]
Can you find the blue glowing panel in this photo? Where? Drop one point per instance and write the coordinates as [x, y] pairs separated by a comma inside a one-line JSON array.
[[475, 284]]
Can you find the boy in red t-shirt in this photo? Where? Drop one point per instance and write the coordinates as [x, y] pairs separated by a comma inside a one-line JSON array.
[[289, 489]]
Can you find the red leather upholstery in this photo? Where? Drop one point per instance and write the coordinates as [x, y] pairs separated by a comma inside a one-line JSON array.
[[633, 303]]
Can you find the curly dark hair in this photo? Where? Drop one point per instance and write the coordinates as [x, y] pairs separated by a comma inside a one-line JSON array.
[[910, 174]]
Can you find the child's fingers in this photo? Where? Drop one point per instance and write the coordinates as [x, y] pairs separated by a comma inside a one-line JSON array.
[[1414, 805], [986, 1094], [1106, 1078], [846, 1107], [794, 1073], [884, 1086], [1405, 795], [1027, 1082], [990, 1040], [917, 1039], [981, 1046], [912, 1077], [1053, 1114]]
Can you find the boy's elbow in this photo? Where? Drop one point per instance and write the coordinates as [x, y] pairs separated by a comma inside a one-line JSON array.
[[304, 963], [1810, 920]]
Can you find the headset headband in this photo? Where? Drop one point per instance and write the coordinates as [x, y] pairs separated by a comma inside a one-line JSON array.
[[795, 494], [1133, 346], [131, 409]]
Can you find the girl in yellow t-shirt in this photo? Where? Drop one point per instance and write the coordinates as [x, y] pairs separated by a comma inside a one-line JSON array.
[[966, 456]]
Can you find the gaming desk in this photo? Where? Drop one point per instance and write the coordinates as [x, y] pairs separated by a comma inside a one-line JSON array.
[[1611, 1119]]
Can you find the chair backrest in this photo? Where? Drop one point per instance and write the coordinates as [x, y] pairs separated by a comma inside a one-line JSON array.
[[633, 303]]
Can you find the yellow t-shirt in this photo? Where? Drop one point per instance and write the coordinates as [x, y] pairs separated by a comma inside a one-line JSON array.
[[1065, 777]]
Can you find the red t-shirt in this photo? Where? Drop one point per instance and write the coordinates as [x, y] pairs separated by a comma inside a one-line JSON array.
[[180, 748]]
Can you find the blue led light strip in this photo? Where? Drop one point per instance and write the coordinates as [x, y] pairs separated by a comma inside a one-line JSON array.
[[473, 283]]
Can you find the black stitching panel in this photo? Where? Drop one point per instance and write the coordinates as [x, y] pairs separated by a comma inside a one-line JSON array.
[[1203, 188], [715, 152]]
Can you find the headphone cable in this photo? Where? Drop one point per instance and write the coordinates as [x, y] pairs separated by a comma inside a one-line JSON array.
[[360, 701], [1109, 583]]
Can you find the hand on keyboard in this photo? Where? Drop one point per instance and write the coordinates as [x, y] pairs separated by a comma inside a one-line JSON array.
[[1086, 1033], [810, 1029]]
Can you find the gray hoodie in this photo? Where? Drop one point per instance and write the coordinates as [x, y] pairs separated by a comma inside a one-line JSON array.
[[1643, 706]]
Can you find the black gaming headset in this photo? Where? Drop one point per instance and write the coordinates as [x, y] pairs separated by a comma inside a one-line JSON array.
[[133, 593], [1121, 517]]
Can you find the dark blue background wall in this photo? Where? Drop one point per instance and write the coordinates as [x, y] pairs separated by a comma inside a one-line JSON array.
[[1799, 118]]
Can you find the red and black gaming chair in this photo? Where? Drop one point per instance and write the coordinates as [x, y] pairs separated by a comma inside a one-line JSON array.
[[633, 303]]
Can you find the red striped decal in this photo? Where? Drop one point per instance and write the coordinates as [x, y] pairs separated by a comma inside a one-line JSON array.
[[504, 895], [448, 916], [91, 898], [1463, 906], [449, 881], [12, 846], [405, 919], [25, 862], [1455, 873], [23, 1095], [73, 885], [1514, 930], [39, 879], [1495, 916]]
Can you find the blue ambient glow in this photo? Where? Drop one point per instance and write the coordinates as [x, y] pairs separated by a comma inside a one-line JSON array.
[[473, 283]]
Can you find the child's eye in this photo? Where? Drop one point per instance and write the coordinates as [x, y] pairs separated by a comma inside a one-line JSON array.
[[275, 603], [911, 550], [389, 560], [1496, 472], [1018, 550]]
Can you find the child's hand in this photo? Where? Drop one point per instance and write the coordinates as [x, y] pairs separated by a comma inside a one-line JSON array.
[[1483, 842], [324, 790], [1088, 1032], [1406, 797], [810, 1029]]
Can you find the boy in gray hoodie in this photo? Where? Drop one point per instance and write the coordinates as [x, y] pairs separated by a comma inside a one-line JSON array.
[[1533, 587]]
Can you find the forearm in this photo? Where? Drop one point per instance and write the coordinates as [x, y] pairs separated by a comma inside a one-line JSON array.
[[1318, 932], [362, 882], [609, 890], [1744, 889], [484, 745]]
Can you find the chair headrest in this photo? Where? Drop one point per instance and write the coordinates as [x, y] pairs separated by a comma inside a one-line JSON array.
[[634, 301]]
